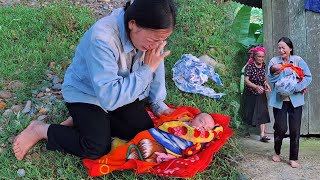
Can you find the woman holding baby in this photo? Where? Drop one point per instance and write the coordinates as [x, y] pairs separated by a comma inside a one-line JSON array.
[[287, 105]]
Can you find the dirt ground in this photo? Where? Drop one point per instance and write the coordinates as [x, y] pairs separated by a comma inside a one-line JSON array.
[[256, 162], [99, 7]]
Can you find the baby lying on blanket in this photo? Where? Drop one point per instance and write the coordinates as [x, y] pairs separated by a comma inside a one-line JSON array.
[[201, 122], [176, 137], [198, 129], [183, 133]]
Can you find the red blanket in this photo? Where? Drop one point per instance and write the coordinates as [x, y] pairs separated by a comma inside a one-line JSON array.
[[185, 166]]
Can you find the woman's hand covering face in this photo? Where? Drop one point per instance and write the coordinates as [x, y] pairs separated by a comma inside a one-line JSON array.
[[153, 57]]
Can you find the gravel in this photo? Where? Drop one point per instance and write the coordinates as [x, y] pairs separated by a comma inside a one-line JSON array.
[[99, 7]]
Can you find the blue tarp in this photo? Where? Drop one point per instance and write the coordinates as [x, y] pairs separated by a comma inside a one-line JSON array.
[[312, 5]]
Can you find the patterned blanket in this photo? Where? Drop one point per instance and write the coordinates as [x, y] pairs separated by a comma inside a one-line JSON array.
[[172, 148]]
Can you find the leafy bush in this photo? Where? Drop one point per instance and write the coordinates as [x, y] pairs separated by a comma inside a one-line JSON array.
[[249, 33]]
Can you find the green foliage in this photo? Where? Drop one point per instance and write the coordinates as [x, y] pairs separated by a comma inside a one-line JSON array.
[[249, 34], [33, 37]]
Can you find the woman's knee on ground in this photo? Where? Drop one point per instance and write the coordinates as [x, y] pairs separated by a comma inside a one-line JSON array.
[[92, 149]]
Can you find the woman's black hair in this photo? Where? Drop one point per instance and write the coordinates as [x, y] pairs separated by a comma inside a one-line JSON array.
[[151, 14], [288, 42]]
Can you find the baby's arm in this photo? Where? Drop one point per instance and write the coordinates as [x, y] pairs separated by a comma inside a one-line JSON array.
[[161, 157]]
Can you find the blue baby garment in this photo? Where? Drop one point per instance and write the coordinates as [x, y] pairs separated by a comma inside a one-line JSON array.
[[189, 75]]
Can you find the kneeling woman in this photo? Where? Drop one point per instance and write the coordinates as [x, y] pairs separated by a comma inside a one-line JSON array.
[[118, 62]]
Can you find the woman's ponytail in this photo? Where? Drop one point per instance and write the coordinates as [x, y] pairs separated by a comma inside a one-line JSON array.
[[127, 5]]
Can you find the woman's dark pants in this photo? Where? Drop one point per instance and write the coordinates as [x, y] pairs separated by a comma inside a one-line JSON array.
[[90, 137], [280, 128]]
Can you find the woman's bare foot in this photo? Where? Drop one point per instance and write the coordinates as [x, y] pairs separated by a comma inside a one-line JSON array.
[[36, 131], [68, 122], [294, 164], [276, 158]]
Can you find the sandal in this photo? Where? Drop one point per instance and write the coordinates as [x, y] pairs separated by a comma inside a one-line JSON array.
[[267, 138], [264, 139], [247, 135]]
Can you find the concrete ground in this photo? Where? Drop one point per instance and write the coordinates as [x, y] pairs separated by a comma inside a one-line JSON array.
[[256, 162]]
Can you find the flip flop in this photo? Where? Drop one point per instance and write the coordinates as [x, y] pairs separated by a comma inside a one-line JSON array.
[[264, 139], [247, 135]]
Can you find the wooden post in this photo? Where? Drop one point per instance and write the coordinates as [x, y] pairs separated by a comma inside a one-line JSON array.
[[268, 44], [313, 60], [297, 34]]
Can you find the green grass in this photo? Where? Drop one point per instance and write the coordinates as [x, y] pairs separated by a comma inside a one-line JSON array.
[[204, 28], [33, 37]]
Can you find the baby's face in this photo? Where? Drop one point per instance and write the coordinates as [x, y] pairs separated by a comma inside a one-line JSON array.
[[202, 121], [277, 66]]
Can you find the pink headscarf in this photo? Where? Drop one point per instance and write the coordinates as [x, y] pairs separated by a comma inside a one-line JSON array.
[[254, 50]]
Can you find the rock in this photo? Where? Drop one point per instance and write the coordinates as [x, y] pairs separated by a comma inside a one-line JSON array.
[[34, 92], [14, 85], [43, 148], [49, 76], [32, 110], [52, 65], [42, 118], [43, 111], [28, 157], [2, 105], [59, 96], [57, 87], [7, 112], [21, 172], [11, 139], [103, 0], [48, 94], [16, 108], [35, 156], [222, 67], [213, 50], [27, 107], [55, 80], [41, 94], [5, 94], [212, 62], [1, 150], [91, 1], [52, 98], [208, 60]]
